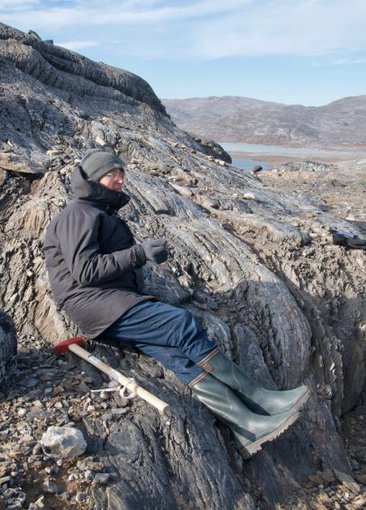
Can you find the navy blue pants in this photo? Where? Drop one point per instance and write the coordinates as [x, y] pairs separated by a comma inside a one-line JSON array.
[[167, 333]]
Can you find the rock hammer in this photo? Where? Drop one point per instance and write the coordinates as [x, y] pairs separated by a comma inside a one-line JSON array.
[[74, 345]]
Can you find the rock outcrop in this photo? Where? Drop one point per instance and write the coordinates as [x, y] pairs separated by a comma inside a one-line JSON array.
[[256, 266], [8, 344]]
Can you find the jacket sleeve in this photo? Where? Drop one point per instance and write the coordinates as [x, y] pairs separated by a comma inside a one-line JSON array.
[[89, 266]]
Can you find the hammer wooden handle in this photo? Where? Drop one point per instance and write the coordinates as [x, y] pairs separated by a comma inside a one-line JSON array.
[[162, 406]]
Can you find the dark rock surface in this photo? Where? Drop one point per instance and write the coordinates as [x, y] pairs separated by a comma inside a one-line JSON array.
[[8, 344], [257, 266], [303, 166]]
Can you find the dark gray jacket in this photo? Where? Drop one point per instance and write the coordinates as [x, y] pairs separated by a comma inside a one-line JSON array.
[[91, 257]]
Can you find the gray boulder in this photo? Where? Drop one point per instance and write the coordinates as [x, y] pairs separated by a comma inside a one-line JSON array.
[[63, 442]]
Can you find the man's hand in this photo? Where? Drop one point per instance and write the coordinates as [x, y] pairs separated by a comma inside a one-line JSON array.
[[155, 250]]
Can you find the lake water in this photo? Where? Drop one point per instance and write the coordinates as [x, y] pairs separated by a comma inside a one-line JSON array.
[[249, 164], [279, 150], [242, 153]]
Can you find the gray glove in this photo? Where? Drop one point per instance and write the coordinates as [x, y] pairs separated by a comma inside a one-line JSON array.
[[155, 250]]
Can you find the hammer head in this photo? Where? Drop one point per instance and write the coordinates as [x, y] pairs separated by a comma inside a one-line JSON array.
[[63, 347]]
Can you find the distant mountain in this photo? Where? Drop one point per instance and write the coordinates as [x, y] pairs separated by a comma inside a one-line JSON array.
[[240, 119]]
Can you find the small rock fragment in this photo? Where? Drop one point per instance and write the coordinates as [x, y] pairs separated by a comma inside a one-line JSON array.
[[51, 487], [81, 497], [101, 478]]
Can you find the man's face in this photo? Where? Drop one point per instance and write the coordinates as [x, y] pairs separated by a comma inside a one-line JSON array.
[[114, 179]]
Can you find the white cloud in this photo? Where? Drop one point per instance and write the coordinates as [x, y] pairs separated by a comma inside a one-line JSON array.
[[349, 61], [79, 45], [200, 29], [18, 4], [298, 28]]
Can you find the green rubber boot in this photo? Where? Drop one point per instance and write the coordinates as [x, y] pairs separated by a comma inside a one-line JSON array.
[[257, 398], [250, 429]]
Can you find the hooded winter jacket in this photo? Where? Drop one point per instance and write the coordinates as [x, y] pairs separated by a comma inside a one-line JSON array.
[[92, 258]]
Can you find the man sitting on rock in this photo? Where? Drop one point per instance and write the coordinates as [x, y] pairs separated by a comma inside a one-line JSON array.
[[93, 260]]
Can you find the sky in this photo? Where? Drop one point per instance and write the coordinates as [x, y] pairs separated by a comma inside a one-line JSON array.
[[307, 52]]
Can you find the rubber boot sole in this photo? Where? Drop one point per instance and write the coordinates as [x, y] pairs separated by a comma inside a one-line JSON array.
[[248, 449], [302, 401]]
